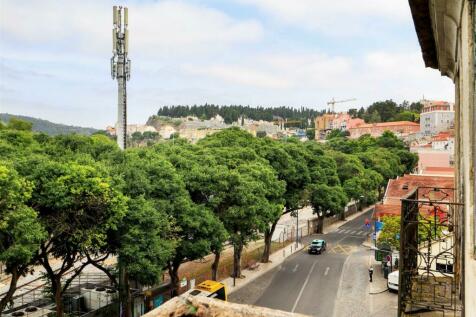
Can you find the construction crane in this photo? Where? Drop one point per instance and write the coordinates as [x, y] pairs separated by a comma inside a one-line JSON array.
[[333, 102]]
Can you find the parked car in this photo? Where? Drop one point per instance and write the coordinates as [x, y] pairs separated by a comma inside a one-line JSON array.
[[392, 281], [317, 246]]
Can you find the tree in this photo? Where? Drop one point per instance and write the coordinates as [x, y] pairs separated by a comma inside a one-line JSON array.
[[336, 133], [311, 134], [260, 134], [390, 140], [252, 205], [326, 201], [148, 174], [144, 241], [288, 159], [20, 231], [77, 205], [20, 125]]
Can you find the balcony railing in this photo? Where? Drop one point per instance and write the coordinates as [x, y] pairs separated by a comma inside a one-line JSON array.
[[430, 254]]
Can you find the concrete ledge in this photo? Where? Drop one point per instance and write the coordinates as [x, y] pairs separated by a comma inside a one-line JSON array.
[[208, 307]]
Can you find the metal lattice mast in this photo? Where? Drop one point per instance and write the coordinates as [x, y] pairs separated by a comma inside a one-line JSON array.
[[120, 69]]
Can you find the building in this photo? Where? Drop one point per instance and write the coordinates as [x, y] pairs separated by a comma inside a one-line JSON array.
[[131, 128], [400, 188], [445, 31], [436, 157], [443, 141], [330, 121], [436, 116], [400, 128]]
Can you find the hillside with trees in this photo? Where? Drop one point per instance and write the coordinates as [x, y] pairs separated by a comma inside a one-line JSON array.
[[234, 112], [157, 206], [45, 126]]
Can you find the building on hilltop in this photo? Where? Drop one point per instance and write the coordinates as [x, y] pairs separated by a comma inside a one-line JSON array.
[[436, 116], [132, 128], [400, 128]]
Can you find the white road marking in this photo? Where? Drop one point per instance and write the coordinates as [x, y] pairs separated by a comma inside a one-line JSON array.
[[295, 268], [353, 232], [360, 232], [327, 271], [303, 287]]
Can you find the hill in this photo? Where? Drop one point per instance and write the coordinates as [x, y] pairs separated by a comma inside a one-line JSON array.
[[49, 127], [300, 116]]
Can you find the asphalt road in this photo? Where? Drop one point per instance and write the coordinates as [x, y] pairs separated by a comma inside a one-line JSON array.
[[306, 283]]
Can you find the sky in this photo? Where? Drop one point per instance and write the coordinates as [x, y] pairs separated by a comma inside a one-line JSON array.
[[55, 56]]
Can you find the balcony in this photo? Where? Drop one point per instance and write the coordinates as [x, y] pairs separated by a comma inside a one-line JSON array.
[[431, 254]]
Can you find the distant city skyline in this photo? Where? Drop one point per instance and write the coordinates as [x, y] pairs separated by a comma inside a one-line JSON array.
[[54, 56]]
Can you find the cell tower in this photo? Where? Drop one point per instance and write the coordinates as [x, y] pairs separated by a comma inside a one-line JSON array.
[[120, 69]]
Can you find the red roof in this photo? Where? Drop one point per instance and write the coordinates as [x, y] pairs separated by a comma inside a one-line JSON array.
[[438, 103], [388, 124], [401, 187], [440, 169]]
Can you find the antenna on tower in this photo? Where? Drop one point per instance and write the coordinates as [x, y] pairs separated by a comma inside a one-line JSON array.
[[120, 68]]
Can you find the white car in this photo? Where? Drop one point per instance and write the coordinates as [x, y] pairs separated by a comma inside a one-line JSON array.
[[392, 281]]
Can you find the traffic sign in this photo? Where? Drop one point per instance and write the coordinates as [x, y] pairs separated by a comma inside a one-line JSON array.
[[388, 258], [374, 236]]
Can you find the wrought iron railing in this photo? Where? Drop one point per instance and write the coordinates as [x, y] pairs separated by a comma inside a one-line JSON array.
[[430, 253]]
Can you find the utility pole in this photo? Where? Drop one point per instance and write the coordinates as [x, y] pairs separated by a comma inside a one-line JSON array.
[[120, 68]]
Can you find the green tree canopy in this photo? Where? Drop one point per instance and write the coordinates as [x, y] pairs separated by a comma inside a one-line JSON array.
[[20, 231]]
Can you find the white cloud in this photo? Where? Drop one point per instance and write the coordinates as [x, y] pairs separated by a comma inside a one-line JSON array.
[[240, 75], [155, 27], [336, 17], [278, 71], [313, 79]]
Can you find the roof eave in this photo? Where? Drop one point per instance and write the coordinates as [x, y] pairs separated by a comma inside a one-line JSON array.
[[420, 10]]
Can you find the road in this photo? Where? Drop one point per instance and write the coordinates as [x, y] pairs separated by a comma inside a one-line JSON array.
[[309, 284]]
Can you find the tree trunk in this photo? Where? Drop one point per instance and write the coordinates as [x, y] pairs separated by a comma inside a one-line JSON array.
[[124, 292], [174, 279], [215, 263], [11, 290], [320, 224], [58, 297], [342, 215], [237, 249], [268, 235]]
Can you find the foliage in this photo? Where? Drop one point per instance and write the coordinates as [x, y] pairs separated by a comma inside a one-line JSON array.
[[145, 243], [388, 235], [391, 228], [233, 113], [330, 200], [336, 133], [20, 231], [158, 206]]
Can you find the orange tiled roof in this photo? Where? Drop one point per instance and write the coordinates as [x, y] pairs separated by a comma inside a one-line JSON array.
[[387, 124]]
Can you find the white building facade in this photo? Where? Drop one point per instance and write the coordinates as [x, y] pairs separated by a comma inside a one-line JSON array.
[[436, 116]]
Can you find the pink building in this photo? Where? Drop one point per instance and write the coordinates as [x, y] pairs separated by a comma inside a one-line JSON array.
[[400, 128]]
